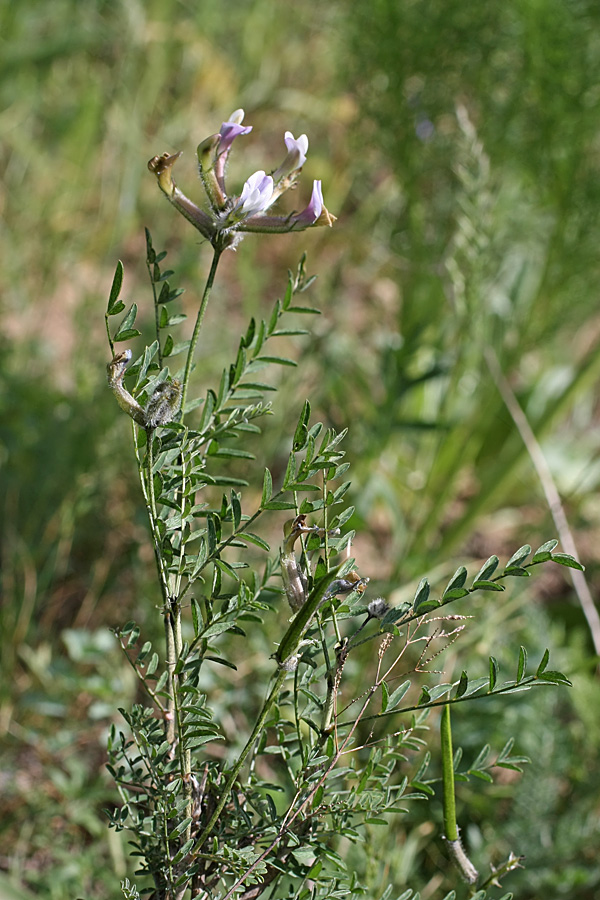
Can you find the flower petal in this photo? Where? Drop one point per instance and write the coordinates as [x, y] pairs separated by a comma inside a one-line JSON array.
[[256, 194], [229, 131], [314, 209]]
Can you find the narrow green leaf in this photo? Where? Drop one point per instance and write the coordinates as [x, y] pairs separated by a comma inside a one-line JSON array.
[[115, 290], [487, 569], [236, 510], [555, 677], [420, 786], [484, 776], [462, 685], [150, 254], [456, 582], [277, 360], [152, 665], [289, 293], [301, 433], [454, 594], [222, 662], [421, 594], [396, 696], [267, 491], [126, 335], [125, 330], [274, 317], [385, 696], [516, 572], [161, 682], [493, 672], [279, 504], [211, 534], [564, 559], [542, 666], [133, 637], [487, 586], [544, 552], [481, 758], [260, 337], [217, 628], [522, 665], [255, 539], [518, 557], [196, 616]]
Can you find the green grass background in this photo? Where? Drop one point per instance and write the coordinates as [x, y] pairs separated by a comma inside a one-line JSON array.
[[459, 146]]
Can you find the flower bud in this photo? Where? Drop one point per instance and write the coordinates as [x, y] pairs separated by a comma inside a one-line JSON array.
[[207, 158], [162, 167]]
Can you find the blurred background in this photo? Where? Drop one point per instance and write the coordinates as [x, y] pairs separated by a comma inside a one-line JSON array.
[[459, 146]]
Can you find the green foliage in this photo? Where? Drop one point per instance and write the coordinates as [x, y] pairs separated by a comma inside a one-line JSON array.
[[271, 817]]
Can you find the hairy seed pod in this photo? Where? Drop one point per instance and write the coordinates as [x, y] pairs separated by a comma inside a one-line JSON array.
[[295, 582]]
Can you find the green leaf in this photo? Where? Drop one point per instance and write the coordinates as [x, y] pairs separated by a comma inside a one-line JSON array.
[[420, 786], [396, 696], [487, 586], [454, 594], [385, 696], [274, 317], [217, 628], [544, 552], [456, 582], [421, 594], [519, 557], [555, 677], [150, 254], [125, 330], [153, 664], [487, 569], [301, 433], [564, 559], [493, 672], [236, 510], [516, 572], [255, 539], [522, 665], [267, 491], [462, 685], [114, 304], [481, 758], [222, 662], [542, 666], [279, 504]]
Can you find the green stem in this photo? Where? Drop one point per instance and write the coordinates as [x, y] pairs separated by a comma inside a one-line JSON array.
[[196, 333], [226, 789], [450, 826]]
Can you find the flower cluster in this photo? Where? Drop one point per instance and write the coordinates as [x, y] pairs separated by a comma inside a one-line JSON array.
[[230, 216]]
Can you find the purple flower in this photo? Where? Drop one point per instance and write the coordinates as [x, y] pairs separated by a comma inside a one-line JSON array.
[[296, 156], [256, 195], [314, 209], [229, 215], [232, 129]]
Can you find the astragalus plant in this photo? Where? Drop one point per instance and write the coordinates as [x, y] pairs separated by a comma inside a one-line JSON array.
[[215, 809]]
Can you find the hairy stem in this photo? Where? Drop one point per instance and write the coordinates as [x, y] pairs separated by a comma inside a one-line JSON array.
[[196, 333], [225, 791]]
